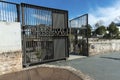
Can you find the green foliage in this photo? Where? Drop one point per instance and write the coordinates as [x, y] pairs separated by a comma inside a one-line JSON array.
[[101, 30], [113, 30], [99, 23], [89, 30], [71, 37], [38, 54]]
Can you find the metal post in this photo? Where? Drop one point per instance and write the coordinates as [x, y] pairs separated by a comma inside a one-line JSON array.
[[70, 36], [68, 44], [23, 37], [18, 12], [87, 36]]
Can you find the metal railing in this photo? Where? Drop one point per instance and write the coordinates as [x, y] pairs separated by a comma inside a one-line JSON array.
[[9, 12]]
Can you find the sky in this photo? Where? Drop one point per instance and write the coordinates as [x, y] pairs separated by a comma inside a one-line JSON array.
[[104, 11]]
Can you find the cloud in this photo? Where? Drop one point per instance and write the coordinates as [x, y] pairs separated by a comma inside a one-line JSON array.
[[106, 14], [44, 17]]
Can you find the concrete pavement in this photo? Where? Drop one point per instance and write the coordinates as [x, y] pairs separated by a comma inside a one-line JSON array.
[[72, 57], [100, 67]]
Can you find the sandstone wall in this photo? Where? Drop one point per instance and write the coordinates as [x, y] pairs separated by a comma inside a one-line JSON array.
[[10, 62], [103, 46]]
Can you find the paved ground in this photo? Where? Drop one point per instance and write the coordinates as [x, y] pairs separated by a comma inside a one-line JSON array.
[[100, 67], [72, 57]]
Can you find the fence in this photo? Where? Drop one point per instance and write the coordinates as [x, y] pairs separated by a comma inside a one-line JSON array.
[[44, 34], [44, 31], [79, 35], [9, 12]]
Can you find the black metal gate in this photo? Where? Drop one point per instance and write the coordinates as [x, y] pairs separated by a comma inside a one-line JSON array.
[[45, 34], [79, 35], [9, 12]]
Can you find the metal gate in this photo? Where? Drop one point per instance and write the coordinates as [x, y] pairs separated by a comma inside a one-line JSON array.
[[9, 12], [79, 35], [44, 35]]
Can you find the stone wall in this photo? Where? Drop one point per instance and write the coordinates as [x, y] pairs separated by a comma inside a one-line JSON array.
[[10, 62], [103, 46]]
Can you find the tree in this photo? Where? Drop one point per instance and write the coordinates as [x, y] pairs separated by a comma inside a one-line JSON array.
[[99, 23], [89, 30], [113, 30], [101, 30], [86, 31]]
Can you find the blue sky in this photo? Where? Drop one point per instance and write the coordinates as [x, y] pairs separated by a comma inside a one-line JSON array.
[[98, 10]]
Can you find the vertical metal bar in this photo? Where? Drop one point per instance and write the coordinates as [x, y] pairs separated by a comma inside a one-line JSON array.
[[22, 8], [11, 13], [52, 26], [31, 48], [15, 13], [25, 16], [23, 33], [46, 18], [37, 18], [18, 12], [29, 18], [87, 36], [70, 35], [2, 12], [67, 37], [34, 17], [6, 16]]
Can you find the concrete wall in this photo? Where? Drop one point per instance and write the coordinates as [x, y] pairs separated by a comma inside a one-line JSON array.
[[103, 46], [10, 36], [10, 47]]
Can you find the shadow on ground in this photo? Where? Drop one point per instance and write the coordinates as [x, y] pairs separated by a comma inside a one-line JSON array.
[[111, 58]]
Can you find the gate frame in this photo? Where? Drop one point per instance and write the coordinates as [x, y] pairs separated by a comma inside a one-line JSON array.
[[20, 18], [87, 38], [53, 10]]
